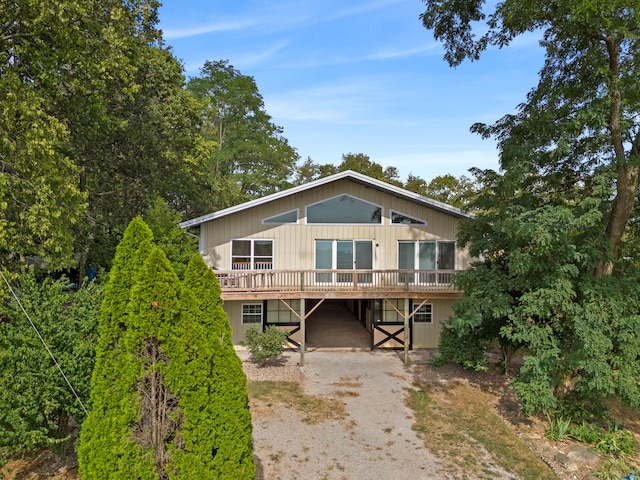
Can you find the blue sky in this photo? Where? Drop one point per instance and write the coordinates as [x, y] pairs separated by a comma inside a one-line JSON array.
[[358, 76]]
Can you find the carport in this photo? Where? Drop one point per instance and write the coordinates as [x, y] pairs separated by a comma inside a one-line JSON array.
[[333, 325]]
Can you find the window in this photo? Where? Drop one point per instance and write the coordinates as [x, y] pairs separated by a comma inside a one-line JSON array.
[[251, 313], [251, 254], [424, 314], [344, 255], [425, 255], [286, 217], [344, 209], [398, 218]]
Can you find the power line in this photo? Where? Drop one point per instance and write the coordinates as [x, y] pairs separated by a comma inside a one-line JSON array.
[[33, 325]]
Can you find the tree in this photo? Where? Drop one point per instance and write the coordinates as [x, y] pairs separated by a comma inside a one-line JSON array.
[[85, 146], [456, 191], [105, 430], [359, 162], [219, 416], [250, 157], [581, 121], [40, 201], [177, 244], [554, 226], [169, 396], [36, 403]]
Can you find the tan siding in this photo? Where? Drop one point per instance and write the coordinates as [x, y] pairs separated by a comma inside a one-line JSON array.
[[233, 310], [426, 335], [294, 244]]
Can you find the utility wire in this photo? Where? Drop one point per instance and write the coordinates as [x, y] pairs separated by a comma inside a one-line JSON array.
[[33, 325]]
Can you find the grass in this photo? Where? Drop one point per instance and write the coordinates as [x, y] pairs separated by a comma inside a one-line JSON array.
[[313, 408], [455, 423]]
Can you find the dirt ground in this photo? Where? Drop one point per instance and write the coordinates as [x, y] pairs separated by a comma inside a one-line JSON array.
[[351, 420]]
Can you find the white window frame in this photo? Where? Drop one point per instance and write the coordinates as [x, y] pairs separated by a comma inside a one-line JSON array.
[[252, 314], [251, 256], [421, 225], [269, 221], [306, 208], [426, 315], [416, 260]]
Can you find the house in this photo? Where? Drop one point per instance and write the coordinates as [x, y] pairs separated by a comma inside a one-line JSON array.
[[386, 254]]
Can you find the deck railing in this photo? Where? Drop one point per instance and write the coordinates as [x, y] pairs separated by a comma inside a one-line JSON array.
[[335, 280]]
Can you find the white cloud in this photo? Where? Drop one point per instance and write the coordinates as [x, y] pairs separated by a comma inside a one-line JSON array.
[[195, 30]]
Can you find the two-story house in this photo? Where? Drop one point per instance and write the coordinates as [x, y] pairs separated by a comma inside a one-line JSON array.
[[384, 253]]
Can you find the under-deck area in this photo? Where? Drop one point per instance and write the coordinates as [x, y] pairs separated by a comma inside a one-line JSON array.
[[333, 325]]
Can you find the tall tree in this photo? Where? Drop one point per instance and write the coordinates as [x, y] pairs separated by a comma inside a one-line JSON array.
[[214, 394], [250, 156], [40, 200], [554, 225], [169, 396], [582, 119], [86, 145], [361, 163]]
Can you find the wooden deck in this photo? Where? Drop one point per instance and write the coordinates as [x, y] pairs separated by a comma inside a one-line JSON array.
[[267, 284]]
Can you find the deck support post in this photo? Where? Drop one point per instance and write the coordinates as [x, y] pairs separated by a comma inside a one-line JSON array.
[[407, 335], [303, 341]]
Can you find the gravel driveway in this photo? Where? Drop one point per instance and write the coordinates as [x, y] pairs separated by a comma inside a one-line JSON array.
[[373, 439]]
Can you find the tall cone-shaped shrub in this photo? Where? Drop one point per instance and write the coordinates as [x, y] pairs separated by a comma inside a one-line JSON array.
[[211, 384], [167, 412], [111, 406]]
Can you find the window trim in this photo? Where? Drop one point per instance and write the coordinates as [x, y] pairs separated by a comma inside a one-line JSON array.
[[252, 257], [244, 314], [395, 224], [418, 312], [437, 252], [266, 220], [306, 211]]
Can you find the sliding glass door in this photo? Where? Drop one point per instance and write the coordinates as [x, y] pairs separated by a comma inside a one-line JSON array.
[[343, 255]]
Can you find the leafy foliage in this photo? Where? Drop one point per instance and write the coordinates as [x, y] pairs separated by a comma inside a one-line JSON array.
[[35, 401], [169, 396], [553, 226], [249, 157], [265, 346]]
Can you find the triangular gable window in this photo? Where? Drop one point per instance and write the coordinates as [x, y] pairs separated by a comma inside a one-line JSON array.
[[398, 218], [344, 209], [287, 217]]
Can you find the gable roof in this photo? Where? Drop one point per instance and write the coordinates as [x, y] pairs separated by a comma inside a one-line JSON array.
[[347, 174]]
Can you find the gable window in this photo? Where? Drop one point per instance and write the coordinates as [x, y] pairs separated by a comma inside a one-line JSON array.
[[254, 254], [251, 313], [344, 209], [287, 217], [398, 218], [424, 314]]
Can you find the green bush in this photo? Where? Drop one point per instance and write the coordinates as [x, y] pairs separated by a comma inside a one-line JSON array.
[[466, 350], [265, 346]]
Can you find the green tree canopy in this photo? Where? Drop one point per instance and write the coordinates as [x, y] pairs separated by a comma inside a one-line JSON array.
[[554, 227], [581, 121], [250, 157]]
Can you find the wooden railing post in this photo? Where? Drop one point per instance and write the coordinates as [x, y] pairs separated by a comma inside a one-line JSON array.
[[302, 281]]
